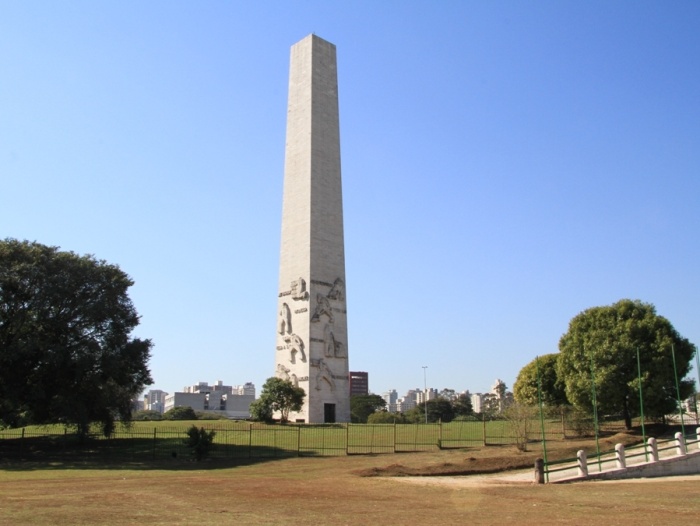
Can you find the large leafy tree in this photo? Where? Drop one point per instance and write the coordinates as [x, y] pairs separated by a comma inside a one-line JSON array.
[[553, 391], [462, 405], [605, 340], [277, 396], [361, 406], [439, 410], [66, 354]]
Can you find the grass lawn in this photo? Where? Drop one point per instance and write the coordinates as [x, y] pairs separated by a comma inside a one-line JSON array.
[[328, 490]]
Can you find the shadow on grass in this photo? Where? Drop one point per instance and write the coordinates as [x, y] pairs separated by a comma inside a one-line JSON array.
[[53, 452]]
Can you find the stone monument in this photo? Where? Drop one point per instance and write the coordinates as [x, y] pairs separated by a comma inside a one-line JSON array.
[[312, 335]]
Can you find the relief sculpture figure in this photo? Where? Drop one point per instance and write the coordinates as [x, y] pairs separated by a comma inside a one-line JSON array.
[[337, 292], [324, 374], [282, 372], [285, 320], [299, 291], [295, 345], [323, 306], [332, 347]]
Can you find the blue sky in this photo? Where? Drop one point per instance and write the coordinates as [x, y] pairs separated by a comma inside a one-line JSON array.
[[506, 165]]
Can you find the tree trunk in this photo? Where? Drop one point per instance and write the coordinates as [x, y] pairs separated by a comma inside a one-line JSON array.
[[626, 415]]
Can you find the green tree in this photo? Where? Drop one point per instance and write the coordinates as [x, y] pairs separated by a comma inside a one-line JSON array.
[[66, 354], [385, 417], [277, 395], [606, 339], [553, 390], [439, 410], [261, 410], [362, 406], [146, 414], [180, 413], [448, 394], [462, 405]]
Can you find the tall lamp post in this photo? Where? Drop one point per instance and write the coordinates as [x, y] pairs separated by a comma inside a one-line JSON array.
[[425, 393]]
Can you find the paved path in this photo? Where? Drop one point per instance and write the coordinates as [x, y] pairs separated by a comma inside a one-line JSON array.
[[634, 457]]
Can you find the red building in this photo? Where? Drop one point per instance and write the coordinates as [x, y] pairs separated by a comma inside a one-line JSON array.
[[359, 383]]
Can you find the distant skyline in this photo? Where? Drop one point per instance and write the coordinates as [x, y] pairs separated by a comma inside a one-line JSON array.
[[505, 166]]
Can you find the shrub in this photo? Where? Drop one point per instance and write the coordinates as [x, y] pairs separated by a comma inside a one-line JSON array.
[[180, 413], [199, 441]]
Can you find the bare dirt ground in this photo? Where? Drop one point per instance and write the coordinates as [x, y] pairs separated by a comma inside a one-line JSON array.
[[492, 459], [355, 490]]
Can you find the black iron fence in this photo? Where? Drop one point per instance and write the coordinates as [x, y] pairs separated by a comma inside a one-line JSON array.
[[245, 440]]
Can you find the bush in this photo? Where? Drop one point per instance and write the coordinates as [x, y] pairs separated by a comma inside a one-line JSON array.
[[180, 413], [581, 423], [199, 441], [146, 414], [384, 417], [521, 418]]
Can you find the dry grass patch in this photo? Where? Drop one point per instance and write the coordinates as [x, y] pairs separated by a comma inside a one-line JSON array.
[[328, 491]]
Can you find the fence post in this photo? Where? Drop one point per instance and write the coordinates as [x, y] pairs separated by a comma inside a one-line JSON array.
[[680, 444], [440, 435], [539, 471], [582, 463], [347, 437], [697, 437], [250, 440], [484, 428], [154, 442], [654, 449], [298, 440], [620, 456], [395, 434]]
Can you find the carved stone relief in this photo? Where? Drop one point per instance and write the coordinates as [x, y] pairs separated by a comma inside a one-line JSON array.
[[295, 345], [282, 372], [332, 347], [337, 291], [324, 374], [285, 320], [299, 291], [323, 306]]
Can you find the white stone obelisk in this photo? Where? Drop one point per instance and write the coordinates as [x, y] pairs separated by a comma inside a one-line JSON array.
[[312, 335]]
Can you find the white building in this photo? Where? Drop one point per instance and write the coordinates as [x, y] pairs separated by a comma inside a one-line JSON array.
[[154, 400], [233, 402]]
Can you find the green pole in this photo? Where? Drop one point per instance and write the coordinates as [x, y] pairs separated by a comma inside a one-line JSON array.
[[595, 413], [539, 399], [678, 389], [641, 405]]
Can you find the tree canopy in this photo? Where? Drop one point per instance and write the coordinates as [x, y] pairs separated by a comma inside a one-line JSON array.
[[439, 410], [553, 390], [462, 405], [361, 406], [605, 341], [385, 417], [66, 355], [277, 395], [183, 412]]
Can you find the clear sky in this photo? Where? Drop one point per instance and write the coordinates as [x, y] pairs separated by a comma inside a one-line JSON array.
[[506, 165]]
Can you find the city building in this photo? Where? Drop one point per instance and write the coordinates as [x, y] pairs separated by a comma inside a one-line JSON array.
[[359, 383], [232, 402], [154, 400]]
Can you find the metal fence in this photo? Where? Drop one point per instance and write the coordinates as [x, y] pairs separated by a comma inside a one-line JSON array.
[[245, 440]]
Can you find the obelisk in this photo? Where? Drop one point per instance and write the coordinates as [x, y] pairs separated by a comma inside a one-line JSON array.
[[312, 335]]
